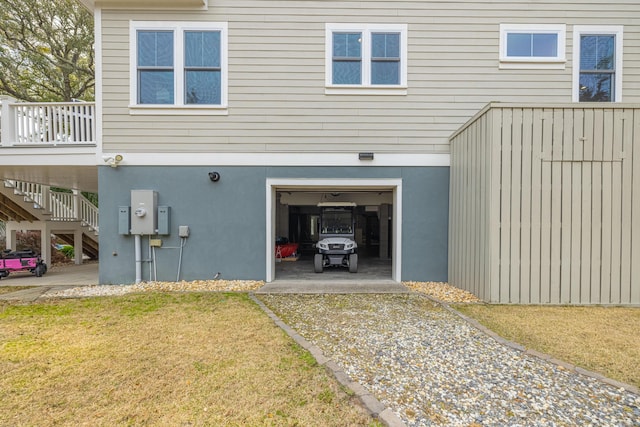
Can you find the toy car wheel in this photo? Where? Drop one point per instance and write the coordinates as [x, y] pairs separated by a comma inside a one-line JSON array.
[[353, 263], [317, 263]]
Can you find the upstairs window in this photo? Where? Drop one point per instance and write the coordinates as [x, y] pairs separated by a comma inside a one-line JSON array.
[[532, 46], [180, 65], [597, 64], [366, 56]]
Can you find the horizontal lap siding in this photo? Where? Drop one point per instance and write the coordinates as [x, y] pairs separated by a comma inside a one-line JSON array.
[[568, 205], [277, 98]]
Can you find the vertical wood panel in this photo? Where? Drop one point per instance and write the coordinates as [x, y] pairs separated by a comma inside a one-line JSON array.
[[628, 196], [505, 206], [494, 214], [525, 223], [596, 211], [634, 291], [587, 177], [556, 207], [515, 213], [483, 255], [616, 205], [548, 205], [566, 212], [536, 203], [477, 205], [576, 205], [607, 200], [545, 208]]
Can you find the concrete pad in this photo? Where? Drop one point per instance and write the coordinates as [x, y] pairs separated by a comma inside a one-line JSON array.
[[71, 275], [333, 287]]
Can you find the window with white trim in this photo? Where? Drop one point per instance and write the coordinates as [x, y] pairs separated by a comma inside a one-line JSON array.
[[597, 63], [532, 46], [178, 65], [366, 56]]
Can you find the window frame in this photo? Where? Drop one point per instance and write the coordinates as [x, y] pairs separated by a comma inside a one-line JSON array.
[[533, 62], [179, 106], [611, 30], [365, 87]]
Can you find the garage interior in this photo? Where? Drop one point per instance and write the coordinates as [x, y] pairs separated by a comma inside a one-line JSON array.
[[298, 223]]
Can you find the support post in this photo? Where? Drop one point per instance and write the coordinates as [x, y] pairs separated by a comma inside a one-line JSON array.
[[76, 205], [45, 243], [11, 238], [77, 246], [8, 122], [45, 203]]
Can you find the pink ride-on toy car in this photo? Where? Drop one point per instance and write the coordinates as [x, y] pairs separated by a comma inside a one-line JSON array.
[[26, 260]]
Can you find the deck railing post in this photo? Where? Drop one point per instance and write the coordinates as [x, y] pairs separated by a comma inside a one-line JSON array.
[[8, 123], [76, 205]]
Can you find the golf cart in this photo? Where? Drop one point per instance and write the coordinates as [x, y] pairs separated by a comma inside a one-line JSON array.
[[25, 260], [336, 246]]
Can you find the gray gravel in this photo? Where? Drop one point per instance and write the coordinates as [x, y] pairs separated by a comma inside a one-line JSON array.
[[432, 368]]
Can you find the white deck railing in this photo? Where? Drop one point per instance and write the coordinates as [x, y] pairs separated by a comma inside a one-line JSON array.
[[62, 206], [51, 123]]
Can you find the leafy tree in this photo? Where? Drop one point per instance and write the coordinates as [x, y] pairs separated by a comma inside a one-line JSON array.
[[46, 50]]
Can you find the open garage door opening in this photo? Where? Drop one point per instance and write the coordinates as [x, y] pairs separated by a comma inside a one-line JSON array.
[[302, 217]]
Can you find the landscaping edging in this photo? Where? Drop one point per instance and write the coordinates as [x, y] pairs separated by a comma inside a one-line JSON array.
[[546, 357], [373, 405]]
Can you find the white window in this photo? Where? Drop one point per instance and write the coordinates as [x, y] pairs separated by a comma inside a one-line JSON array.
[[366, 58], [532, 46], [597, 64], [178, 65]]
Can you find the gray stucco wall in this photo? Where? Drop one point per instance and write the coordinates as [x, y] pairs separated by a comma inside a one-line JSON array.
[[227, 219]]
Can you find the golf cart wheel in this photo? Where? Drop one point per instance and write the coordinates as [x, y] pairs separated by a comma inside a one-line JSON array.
[[317, 263], [39, 270], [353, 263]]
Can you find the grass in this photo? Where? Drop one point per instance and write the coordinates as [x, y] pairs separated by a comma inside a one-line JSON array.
[[161, 359], [600, 339]]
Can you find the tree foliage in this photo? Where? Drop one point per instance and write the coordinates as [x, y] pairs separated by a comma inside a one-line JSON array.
[[46, 50]]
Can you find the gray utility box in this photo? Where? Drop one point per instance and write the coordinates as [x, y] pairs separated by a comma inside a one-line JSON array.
[[144, 212]]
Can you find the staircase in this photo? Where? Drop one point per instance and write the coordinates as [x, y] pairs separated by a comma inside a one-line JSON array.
[[25, 201]]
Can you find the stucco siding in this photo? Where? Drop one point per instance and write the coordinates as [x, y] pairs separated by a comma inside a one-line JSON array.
[[227, 232], [276, 75]]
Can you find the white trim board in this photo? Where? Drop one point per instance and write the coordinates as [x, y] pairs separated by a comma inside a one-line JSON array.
[[277, 159], [394, 184]]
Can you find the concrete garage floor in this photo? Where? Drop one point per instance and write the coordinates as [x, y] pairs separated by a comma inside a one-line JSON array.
[[298, 277]]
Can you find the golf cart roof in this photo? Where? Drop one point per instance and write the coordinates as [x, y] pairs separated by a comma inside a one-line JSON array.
[[336, 204]]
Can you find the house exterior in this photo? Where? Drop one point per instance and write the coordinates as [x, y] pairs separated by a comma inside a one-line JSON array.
[[294, 103]]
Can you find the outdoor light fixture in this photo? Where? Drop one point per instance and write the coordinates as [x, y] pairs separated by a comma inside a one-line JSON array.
[[365, 156], [214, 176], [113, 161]]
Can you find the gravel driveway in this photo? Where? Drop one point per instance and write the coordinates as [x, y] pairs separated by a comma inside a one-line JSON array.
[[432, 368]]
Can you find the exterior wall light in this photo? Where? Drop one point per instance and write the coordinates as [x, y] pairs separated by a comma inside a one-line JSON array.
[[113, 161]]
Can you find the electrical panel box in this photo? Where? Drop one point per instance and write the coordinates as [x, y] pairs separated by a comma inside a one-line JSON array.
[[144, 212], [164, 219], [124, 220], [183, 231]]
